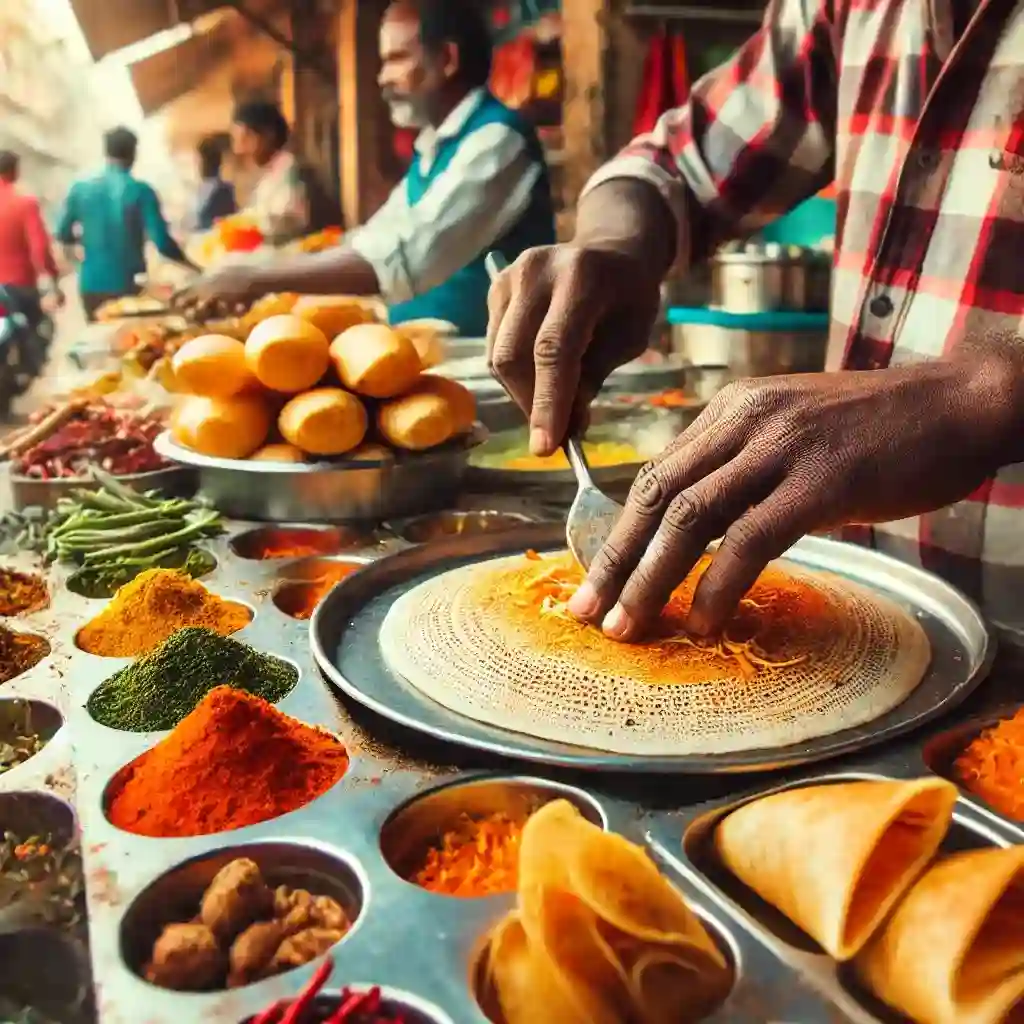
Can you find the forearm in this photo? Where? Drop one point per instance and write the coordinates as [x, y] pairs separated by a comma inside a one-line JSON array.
[[630, 216], [993, 403], [338, 271]]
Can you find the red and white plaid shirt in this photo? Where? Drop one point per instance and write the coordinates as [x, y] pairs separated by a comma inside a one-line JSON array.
[[924, 135]]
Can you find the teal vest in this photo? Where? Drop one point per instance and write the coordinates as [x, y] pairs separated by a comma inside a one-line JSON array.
[[462, 299]]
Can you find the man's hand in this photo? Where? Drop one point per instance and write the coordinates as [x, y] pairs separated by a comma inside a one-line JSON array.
[[562, 317], [773, 459], [230, 290]]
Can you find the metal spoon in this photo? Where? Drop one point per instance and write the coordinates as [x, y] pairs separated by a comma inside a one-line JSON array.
[[592, 513]]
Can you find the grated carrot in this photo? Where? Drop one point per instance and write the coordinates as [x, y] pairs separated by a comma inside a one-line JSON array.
[[992, 766], [478, 857], [554, 582]]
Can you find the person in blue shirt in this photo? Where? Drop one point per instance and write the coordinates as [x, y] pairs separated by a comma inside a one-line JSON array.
[[216, 197], [478, 182], [109, 218]]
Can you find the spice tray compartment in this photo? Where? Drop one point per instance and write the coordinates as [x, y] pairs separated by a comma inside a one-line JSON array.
[[942, 750], [683, 843]]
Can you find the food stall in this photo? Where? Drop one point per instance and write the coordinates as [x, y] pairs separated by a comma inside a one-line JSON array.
[[364, 767]]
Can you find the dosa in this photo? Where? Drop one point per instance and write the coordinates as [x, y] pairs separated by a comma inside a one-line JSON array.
[[835, 858], [953, 951], [806, 654], [599, 936]]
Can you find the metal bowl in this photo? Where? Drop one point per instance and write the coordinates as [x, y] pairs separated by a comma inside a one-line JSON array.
[[648, 429], [29, 492], [324, 492]]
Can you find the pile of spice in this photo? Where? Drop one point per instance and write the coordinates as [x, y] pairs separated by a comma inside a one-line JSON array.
[[244, 932], [234, 761], [114, 533], [21, 593], [44, 878], [19, 652], [157, 603], [992, 767], [366, 1006], [68, 441], [162, 687], [294, 544], [19, 741], [478, 857], [299, 600]]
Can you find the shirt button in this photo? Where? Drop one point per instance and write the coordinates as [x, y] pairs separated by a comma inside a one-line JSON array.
[[881, 306], [927, 159]]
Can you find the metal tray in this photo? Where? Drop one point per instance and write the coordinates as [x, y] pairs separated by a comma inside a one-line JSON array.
[[681, 842], [334, 491], [418, 946], [344, 633], [28, 492]]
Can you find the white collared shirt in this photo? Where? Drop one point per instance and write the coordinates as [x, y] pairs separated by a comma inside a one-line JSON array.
[[482, 192]]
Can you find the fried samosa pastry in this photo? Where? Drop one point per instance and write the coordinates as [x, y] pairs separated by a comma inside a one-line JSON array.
[[953, 950], [599, 935], [836, 858]]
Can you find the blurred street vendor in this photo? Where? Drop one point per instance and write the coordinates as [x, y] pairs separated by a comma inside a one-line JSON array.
[[478, 182], [279, 205], [26, 256], [216, 197], [109, 216]]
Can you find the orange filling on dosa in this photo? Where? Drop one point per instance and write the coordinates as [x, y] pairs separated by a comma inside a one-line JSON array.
[[781, 622], [836, 858], [953, 950], [598, 935]]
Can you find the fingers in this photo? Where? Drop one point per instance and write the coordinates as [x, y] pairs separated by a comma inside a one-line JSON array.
[[656, 486], [765, 532], [694, 518], [517, 303], [557, 357]]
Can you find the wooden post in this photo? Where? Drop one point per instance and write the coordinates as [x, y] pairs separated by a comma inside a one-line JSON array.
[[584, 122], [365, 134]]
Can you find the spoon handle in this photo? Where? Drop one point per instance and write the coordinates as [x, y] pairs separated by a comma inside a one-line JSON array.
[[573, 449]]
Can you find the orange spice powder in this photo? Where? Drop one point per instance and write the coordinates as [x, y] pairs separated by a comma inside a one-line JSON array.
[[478, 857], [992, 767]]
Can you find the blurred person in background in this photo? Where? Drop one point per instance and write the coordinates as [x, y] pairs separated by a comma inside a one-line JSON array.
[[478, 182], [26, 255], [216, 197], [109, 216], [279, 205]]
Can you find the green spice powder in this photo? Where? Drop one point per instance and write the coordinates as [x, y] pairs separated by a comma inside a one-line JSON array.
[[159, 689]]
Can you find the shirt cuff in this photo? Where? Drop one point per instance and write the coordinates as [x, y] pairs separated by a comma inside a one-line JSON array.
[[388, 262], [669, 187]]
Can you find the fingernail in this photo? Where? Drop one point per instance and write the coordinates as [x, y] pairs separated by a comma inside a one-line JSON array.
[[540, 441], [617, 623], [584, 603]]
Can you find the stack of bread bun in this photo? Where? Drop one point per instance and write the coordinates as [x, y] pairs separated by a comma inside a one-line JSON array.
[[324, 380]]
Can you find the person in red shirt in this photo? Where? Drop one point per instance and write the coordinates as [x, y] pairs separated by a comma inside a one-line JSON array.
[[26, 255]]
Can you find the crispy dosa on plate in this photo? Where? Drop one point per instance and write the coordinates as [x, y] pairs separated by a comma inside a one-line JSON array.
[[953, 950], [599, 935], [835, 858]]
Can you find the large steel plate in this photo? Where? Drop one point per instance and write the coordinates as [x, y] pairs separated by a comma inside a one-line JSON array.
[[345, 628]]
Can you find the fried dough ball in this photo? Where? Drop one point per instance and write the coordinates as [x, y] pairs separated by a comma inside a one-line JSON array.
[[302, 947], [186, 957], [235, 898], [253, 950]]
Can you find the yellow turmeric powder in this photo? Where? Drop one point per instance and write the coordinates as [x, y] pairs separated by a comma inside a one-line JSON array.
[[146, 611]]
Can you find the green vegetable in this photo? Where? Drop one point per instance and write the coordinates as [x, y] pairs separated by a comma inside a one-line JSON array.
[[115, 532], [159, 689]]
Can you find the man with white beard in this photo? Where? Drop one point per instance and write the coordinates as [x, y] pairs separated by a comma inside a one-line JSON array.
[[478, 182]]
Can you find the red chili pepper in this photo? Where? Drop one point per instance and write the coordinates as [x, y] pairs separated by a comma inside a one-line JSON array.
[[309, 993], [269, 1015], [353, 1003]]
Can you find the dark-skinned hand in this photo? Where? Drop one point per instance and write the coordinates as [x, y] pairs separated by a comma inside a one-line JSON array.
[[225, 292], [773, 459], [562, 317]]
